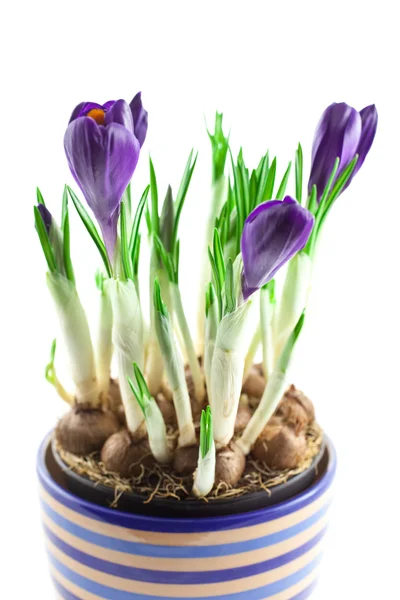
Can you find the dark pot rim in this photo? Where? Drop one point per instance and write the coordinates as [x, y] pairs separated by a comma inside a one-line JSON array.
[[151, 522]]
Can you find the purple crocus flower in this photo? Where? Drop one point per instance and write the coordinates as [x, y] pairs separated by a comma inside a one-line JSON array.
[[102, 152], [342, 132], [273, 233], [46, 217], [140, 118]]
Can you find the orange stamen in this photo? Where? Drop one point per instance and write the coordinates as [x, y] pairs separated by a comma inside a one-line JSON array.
[[97, 114]]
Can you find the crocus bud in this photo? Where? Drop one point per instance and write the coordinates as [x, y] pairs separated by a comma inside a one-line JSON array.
[[342, 132], [272, 234], [102, 152], [140, 118], [46, 217]]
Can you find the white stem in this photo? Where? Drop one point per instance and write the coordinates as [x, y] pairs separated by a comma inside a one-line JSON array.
[[211, 330], [219, 192], [266, 320], [76, 335], [227, 371], [176, 377], [154, 365], [251, 354], [104, 347], [157, 433], [226, 380], [205, 475], [273, 393], [194, 364], [128, 344], [294, 298]]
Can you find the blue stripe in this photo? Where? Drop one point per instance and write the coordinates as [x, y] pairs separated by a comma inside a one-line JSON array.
[[184, 525], [182, 577], [156, 551], [112, 594], [63, 592], [306, 593]]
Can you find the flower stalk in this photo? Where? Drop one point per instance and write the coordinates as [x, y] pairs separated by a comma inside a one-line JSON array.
[[104, 346]]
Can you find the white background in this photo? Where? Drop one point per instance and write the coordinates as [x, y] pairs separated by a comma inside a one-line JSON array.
[[272, 67]]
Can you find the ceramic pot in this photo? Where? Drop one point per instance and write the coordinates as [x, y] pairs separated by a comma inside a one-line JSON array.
[[102, 553]]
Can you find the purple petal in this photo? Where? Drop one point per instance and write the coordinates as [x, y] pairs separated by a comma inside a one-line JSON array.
[[120, 113], [140, 118], [46, 217], [82, 109], [337, 135], [369, 120], [102, 161], [273, 233]]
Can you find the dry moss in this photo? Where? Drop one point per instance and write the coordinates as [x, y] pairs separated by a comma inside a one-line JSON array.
[[163, 482]]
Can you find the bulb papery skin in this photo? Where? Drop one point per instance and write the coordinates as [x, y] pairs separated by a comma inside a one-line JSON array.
[[227, 371], [267, 309], [188, 343], [273, 394], [176, 378], [157, 433], [76, 335], [128, 345], [294, 298], [104, 345], [204, 476], [219, 192]]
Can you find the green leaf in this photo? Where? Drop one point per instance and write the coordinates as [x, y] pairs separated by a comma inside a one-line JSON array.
[[262, 176], [219, 257], [126, 257], [217, 281], [287, 351], [99, 279], [269, 186], [40, 199], [138, 396], [136, 222], [181, 195], [91, 228], [206, 432], [158, 303], [155, 220], [166, 258], [210, 297], [329, 185], [230, 302], [69, 270], [282, 188], [312, 200], [64, 207], [49, 370], [135, 256], [342, 180], [144, 390], [220, 145], [44, 240], [127, 198], [299, 173]]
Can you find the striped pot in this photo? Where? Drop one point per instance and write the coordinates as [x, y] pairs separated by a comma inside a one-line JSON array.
[[97, 553]]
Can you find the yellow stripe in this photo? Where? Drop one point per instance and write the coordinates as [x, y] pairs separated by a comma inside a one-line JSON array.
[[184, 591], [211, 538], [187, 564]]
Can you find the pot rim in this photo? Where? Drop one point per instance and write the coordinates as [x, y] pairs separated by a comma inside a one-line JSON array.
[[190, 524]]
